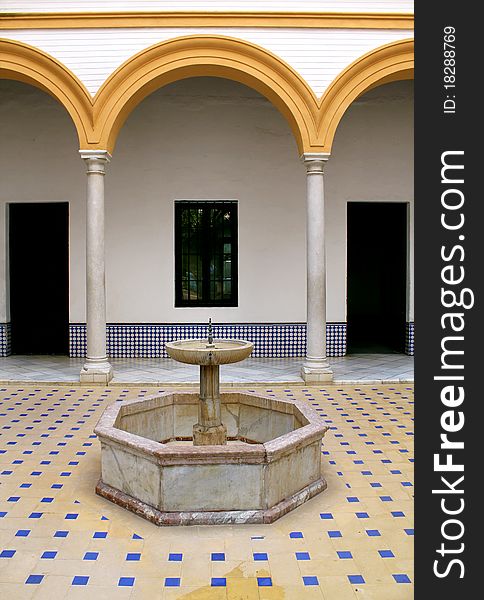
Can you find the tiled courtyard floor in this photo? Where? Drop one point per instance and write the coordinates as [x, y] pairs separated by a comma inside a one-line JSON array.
[[59, 540]]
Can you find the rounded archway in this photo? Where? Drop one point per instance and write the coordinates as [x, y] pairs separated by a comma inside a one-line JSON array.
[[205, 55], [387, 63], [21, 62]]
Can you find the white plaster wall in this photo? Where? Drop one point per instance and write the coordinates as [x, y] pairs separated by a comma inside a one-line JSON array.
[[204, 138], [209, 139]]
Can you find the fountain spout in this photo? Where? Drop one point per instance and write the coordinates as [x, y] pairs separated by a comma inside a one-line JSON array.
[[210, 336]]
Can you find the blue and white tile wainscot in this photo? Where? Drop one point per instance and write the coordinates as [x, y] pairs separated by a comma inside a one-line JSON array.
[[5, 337], [274, 340], [410, 338]]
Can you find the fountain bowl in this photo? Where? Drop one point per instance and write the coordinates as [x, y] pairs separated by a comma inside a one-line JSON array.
[[200, 352]]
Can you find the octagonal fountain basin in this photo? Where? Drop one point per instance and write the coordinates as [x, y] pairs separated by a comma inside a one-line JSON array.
[[201, 352], [270, 464]]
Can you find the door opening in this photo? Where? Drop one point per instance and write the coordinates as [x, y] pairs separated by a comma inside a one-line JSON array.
[[39, 277], [377, 276]]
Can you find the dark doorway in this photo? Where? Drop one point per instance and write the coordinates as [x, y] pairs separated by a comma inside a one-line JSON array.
[[377, 276], [39, 277]]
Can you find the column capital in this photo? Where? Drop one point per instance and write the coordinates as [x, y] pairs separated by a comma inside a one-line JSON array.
[[315, 161], [100, 155], [309, 157]]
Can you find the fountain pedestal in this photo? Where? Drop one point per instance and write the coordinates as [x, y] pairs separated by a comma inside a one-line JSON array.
[[209, 430]]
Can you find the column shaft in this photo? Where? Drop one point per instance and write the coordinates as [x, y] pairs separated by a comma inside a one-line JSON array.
[[316, 366], [97, 368]]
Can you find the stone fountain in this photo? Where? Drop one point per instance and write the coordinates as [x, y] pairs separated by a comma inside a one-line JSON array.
[[185, 458]]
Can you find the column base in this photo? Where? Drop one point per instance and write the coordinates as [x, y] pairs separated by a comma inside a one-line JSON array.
[[96, 372], [316, 372], [209, 436]]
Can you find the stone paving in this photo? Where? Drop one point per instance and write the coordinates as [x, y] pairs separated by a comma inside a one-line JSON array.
[[389, 368], [59, 540]]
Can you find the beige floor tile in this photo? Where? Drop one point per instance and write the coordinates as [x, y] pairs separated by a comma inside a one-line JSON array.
[[385, 592], [303, 592], [194, 593], [242, 589], [336, 587], [148, 587]]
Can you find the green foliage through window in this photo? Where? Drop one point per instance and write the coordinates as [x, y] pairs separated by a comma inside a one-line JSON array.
[[205, 253]]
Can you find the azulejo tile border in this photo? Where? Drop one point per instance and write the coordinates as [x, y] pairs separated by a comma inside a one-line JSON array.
[[410, 338], [274, 340], [5, 339], [285, 340]]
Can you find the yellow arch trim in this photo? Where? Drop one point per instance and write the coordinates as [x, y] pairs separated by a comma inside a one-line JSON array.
[[387, 63], [25, 63], [99, 120], [204, 55]]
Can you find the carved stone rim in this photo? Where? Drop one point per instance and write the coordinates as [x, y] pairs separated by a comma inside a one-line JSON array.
[[164, 454]]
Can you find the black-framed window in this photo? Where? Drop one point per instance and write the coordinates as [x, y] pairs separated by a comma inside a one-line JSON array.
[[205, 253]]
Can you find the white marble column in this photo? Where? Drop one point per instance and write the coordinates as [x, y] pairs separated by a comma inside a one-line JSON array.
[[96, 368], [315, 367]]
